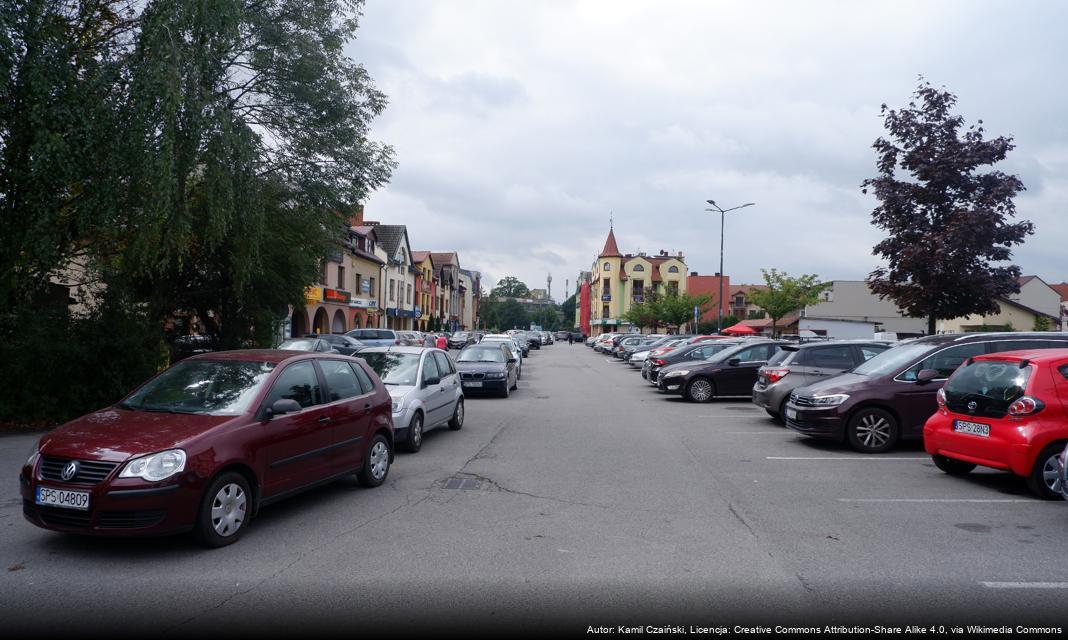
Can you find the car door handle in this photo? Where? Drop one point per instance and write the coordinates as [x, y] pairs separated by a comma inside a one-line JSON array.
[[324, 420]]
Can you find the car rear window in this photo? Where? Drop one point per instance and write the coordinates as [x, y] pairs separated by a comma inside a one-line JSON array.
[[991, 384], [784, 357], [836, 357]]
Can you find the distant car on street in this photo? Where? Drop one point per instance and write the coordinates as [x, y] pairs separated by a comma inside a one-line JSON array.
[[379, 337], [341, 343], [490, 367], [317, 345], [461, 339]]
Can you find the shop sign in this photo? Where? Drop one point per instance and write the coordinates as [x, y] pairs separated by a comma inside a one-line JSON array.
[[313, 294], [363, 303], [336, 295]]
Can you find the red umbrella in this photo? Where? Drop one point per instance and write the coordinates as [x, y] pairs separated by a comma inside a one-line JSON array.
[[740, 330]]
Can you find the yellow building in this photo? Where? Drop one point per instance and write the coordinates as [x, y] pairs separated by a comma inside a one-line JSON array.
[[1013, 316], [424, 287], [618, 281]]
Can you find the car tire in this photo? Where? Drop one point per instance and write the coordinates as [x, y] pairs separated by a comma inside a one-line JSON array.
[[515, 385], [873, 430], [777, 417], [414, 442], [1044, 480], [225, 511], [504, 392], [375, 462], [457, 421], [952, 466], [700, 390]]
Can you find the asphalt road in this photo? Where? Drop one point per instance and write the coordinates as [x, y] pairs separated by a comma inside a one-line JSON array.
[[592, 500]]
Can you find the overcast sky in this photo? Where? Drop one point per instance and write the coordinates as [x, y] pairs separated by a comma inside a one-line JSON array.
[[519, 126]]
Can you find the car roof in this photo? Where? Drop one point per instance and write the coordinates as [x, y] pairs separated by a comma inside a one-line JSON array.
[[945, 338], [824, 343], [398, 349], [1040, 356], [277, 356]]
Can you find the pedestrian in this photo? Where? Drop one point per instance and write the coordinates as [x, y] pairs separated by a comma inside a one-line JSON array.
[[443, 342], [570, 338], [428, 339]]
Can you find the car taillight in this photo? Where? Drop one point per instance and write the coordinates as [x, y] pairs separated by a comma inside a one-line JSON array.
[[774, 375], [396, 342], [1026, 406], [941, 398], [658, 362]]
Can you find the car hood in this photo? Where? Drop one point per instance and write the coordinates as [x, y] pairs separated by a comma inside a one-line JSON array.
[[841, 383], [398, 391], [116, 434], [480, 367]]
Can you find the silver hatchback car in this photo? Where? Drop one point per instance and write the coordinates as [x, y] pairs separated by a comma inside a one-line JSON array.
[[425, 388]]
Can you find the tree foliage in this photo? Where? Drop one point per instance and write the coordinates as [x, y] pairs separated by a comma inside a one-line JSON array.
[[510, 287], [784, 294], [948, 222]]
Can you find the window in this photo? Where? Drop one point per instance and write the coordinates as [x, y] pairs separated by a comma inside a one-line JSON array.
[[444, 365], [340, 277], [365, 380], [739, 300], [357, 282], [945, 362], [638, 287], [341, 380], [392, 290], [370, 245], [1064, 371], [839, 357], [673, 287], [606, 287], [1013, 345], [604, 311], [297, 382], [638, 267], [371, 286], [608, 266], [867, 352], [673, 269], [430, 370], [408, 294]]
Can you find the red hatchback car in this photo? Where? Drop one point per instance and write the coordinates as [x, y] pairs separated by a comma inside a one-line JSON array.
[[205, 443], [1005, 411]]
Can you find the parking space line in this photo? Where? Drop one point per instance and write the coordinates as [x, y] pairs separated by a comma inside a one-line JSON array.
[[780, 431], [872, 458], [1025, 585], [942, 500]]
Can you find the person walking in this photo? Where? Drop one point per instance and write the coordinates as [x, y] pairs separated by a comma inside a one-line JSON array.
[[570, 338], [443, 342]]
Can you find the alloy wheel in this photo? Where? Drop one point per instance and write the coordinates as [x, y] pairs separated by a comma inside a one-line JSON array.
[[701, 390], [379, 460], [873, 431], [1051, 473]]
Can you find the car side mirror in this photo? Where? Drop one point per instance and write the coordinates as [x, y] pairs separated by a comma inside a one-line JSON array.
[[926, 375], [282, 407], [513, 360], [431, 381], [734, 362]]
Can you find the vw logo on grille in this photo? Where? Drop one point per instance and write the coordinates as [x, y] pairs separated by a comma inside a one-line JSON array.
[[972, 406], [70, 470]]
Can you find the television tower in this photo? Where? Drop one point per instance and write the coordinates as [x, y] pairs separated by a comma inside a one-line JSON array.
[[549, 286]]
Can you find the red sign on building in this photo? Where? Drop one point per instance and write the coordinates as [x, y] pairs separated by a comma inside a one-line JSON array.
[[336, 295]]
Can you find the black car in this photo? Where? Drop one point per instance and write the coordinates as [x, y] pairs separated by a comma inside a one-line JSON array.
[[461, 339], [191, 345], [533, 338], [342, 344], [730, 372], [682, 354], [488, 367]]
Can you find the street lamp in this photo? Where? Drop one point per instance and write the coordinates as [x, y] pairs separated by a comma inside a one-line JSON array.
[[722, 218]]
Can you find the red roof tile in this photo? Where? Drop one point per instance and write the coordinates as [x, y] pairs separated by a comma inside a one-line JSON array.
[[610, 247]]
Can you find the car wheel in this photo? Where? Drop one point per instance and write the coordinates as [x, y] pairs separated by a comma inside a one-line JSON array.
[[1045, 478], [700, 390], [952, 466], [457, 421], [777, 417], [873, 431], [225, 510], [515, 385], [375, 462], [415, 434], [504, 392]]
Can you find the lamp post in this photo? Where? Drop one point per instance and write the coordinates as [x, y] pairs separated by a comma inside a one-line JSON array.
[[722, 220]]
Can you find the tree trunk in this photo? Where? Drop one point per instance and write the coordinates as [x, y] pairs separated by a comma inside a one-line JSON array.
[[930, 325], [774, 325]]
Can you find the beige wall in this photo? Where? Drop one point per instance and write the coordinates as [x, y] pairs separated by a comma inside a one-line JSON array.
[[853, 300], [1020, 320], [1039, 296]]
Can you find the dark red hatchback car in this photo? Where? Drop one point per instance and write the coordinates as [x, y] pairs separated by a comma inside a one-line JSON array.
[[201, 446]]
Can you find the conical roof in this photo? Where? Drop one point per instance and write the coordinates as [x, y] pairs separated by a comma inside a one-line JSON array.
[[610, 248]]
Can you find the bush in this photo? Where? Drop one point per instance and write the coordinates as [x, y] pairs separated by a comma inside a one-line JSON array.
[[57, 367]]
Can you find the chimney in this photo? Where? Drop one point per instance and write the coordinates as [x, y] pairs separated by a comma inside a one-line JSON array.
[[693, 273], [356, 219]]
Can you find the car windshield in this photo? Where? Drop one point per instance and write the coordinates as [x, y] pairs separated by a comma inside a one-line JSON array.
[[298, 344], [460, 334], [394, 368], [214, 387], [493, 354], [892, 360], [992, 384]]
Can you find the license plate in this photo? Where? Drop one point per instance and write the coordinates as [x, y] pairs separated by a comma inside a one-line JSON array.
[[63, 498], [973, 428], [472, 384], [791, 414]]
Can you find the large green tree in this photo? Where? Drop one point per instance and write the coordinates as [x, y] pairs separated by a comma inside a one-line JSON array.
[[950, 234], [783, 294], [510, 287], [676, 309]]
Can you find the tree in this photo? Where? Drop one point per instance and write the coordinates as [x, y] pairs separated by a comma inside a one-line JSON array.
[[642, 315], [1042, 323], [567, 310], [511, 315], [675, 309], [713, 327], [948, 223], [785, 294], [510, 287]]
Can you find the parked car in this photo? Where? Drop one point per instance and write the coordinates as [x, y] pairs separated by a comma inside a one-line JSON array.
[[461, 339], [425, 387], [190, 345], [732, 371], [684, 353], [341, 343], [645, 343], [797, 365], [378, 337], [562, 335], [206, 443], [1005, 411], [532, 337], [546, 337], [317, 345], [886, 399], [488, 367], [638, 358], [513, 343]]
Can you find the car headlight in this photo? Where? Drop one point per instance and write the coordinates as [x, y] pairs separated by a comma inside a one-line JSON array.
[[155, 467], [495, 375], [675, 374], [830, 401], [35, 451], [396, 406]]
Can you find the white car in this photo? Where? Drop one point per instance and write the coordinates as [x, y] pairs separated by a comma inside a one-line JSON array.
[[513, 343]]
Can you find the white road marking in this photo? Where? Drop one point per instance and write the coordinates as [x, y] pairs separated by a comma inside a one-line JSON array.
[[1025, 585], [872, 458], [941, 500]]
